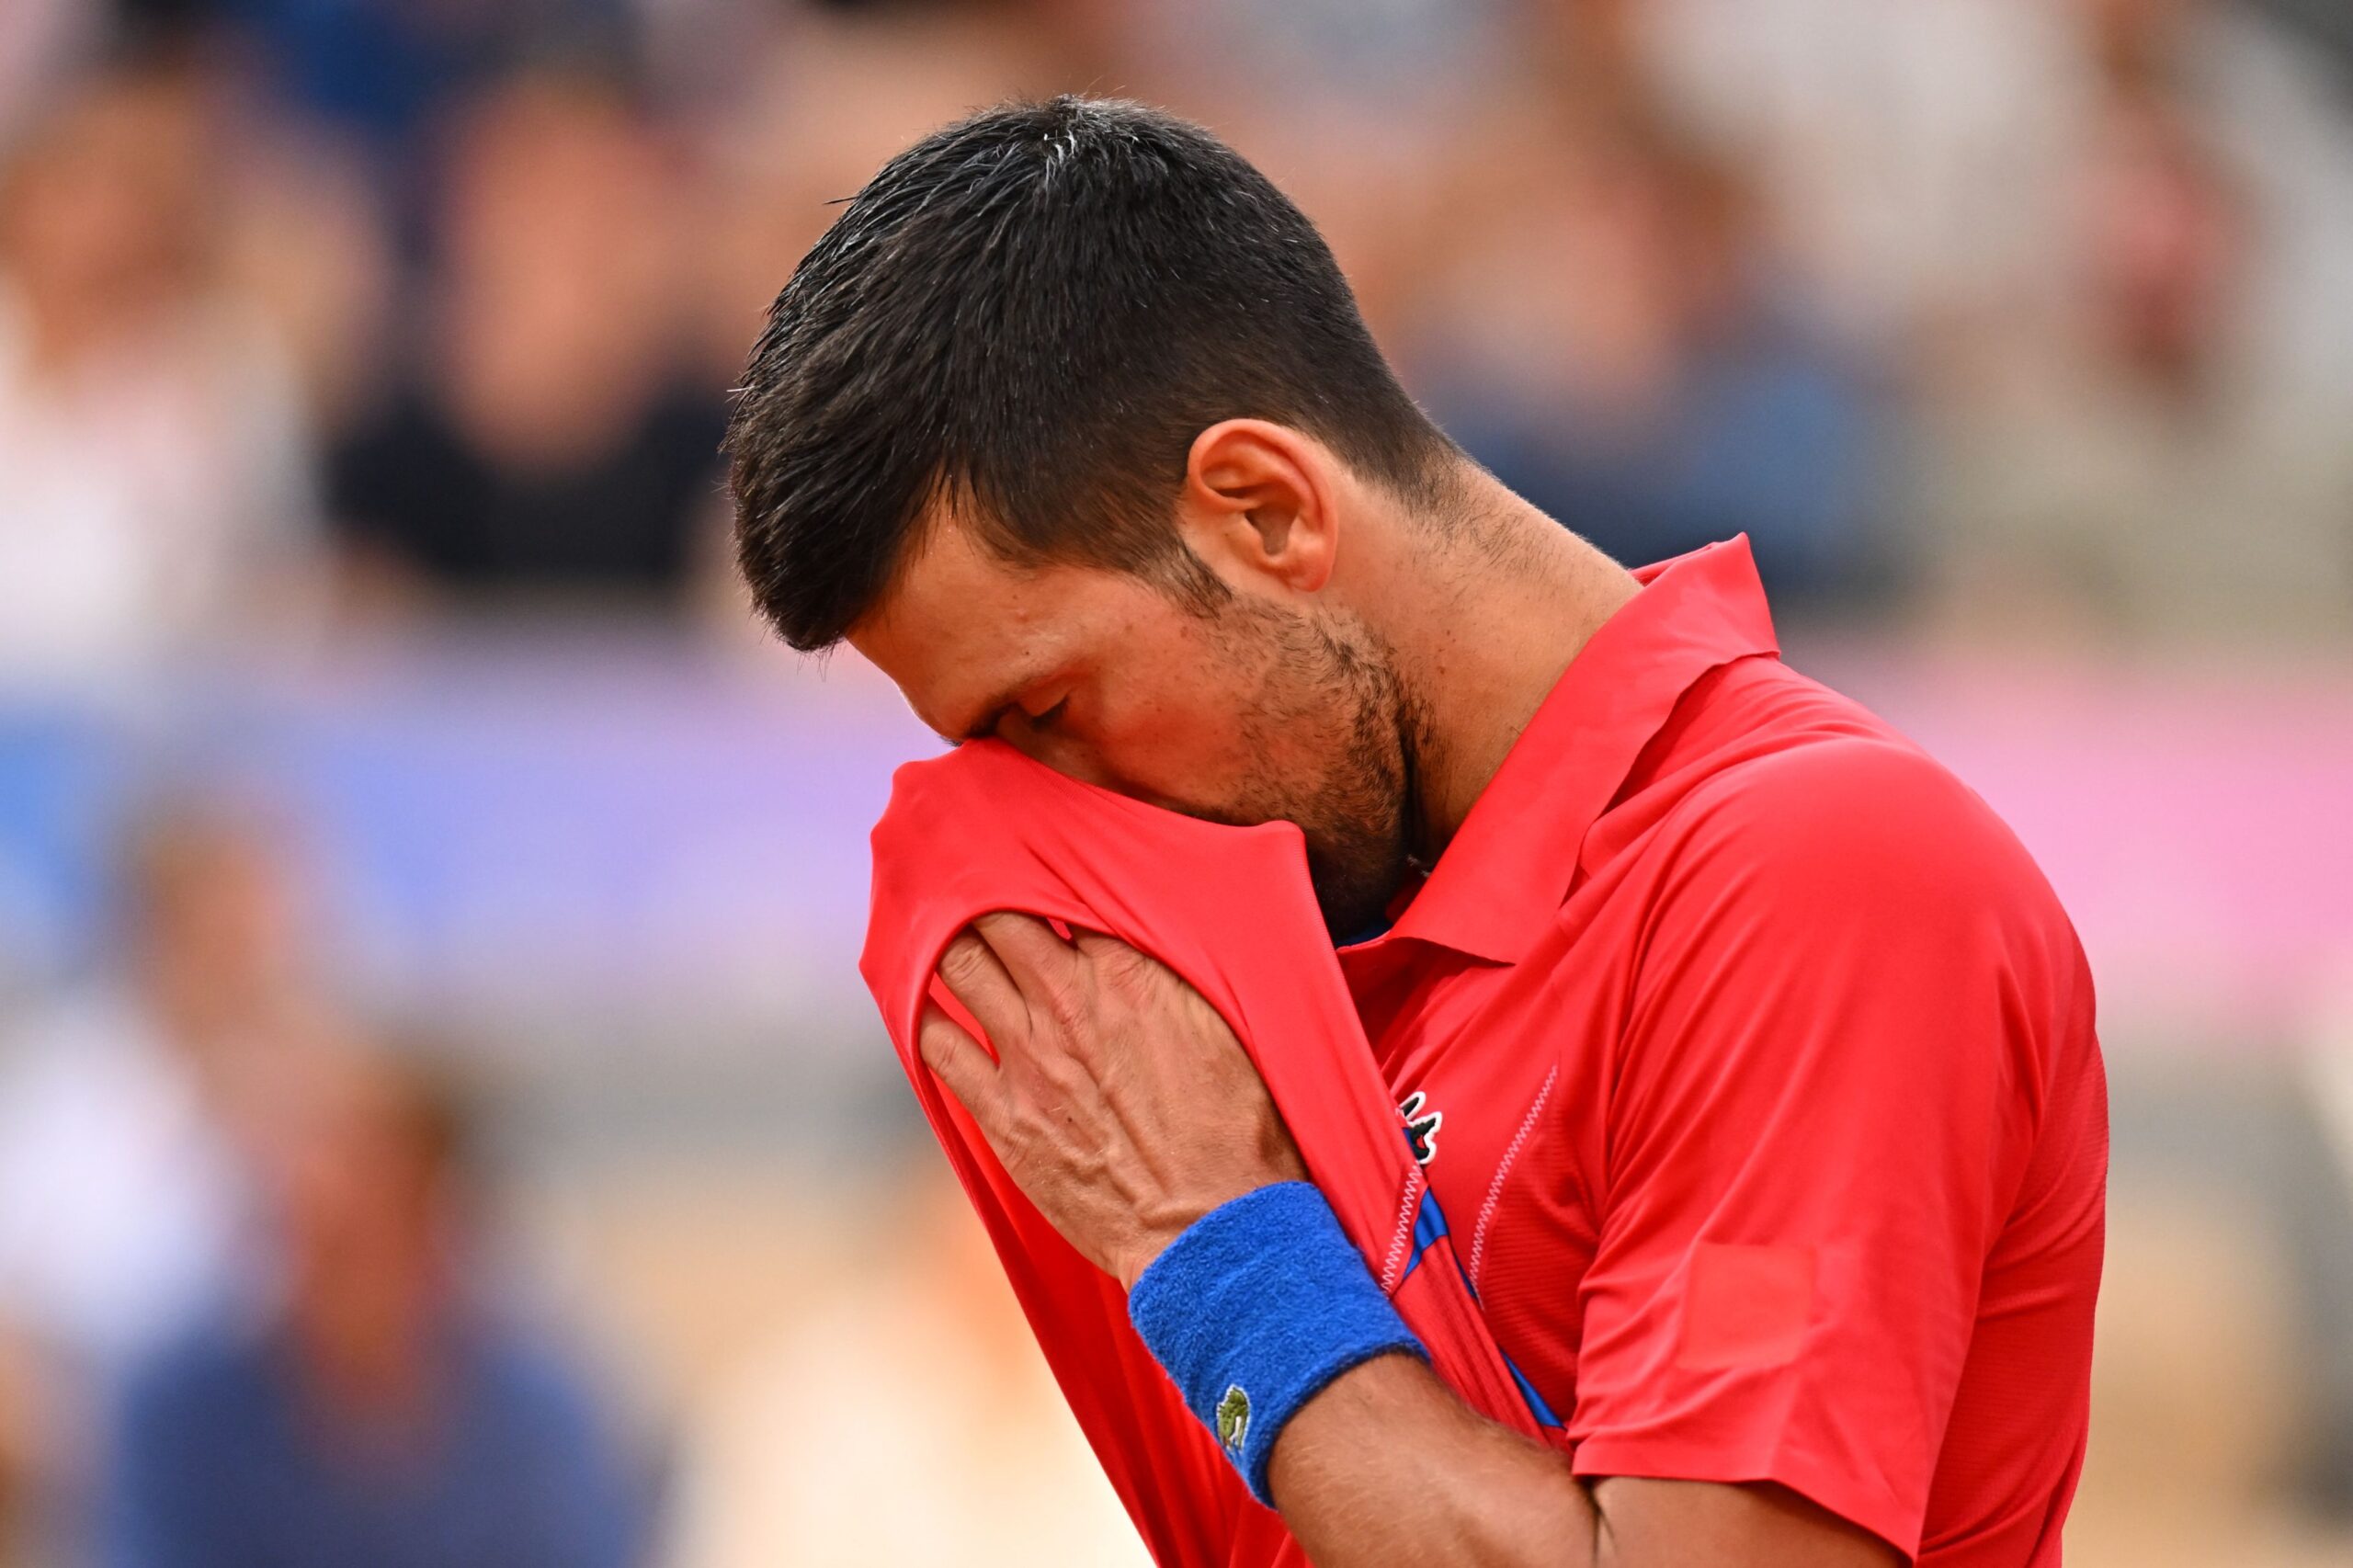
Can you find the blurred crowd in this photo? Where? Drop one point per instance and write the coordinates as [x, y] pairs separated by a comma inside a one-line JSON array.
[[2011, 323], [246, 1312], [2015, 318]]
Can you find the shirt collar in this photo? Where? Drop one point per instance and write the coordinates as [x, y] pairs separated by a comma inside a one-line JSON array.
[[1508, 868]]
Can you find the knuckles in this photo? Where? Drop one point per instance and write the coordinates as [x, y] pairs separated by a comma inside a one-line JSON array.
[[963, 965], [1069, 1005], [1130, 976]]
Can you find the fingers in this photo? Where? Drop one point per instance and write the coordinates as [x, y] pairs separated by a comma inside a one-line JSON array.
[[1045, 967], [1110, 956], [961, 1062], [971, 970], [1094, 945]]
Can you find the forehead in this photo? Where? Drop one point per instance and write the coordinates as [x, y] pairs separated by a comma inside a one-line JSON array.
[[959, 630]]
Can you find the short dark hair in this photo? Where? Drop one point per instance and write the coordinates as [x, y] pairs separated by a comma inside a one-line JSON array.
[[1030, 315]]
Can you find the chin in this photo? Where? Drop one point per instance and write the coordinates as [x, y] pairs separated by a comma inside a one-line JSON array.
[[1356, 905]]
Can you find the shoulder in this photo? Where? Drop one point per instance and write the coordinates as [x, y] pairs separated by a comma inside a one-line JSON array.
[[1843, 920], [1853, 869], [532, 1379], [1850, 823], [214, 1370]]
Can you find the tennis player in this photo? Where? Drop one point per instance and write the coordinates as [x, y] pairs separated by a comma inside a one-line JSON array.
[[1749, 1054]]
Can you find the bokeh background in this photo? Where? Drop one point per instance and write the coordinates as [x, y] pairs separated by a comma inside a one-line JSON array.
[[437, 1105]]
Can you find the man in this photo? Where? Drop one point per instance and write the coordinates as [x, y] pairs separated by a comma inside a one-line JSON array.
[[125, 1203], [1750, 1055], [371, 1409]]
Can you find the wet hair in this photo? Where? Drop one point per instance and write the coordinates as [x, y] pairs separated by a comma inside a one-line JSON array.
[[1025, 318]]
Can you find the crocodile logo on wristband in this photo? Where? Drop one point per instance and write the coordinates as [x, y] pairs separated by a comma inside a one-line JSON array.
[[1234, 1419]]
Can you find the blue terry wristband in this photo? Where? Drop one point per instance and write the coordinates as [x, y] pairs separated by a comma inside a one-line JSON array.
[[1259, 1303]]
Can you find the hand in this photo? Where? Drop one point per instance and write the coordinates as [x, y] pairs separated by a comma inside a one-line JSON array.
[[1119, 1102]]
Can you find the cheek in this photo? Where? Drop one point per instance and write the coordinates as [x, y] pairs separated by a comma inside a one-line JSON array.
[[1177, 735]]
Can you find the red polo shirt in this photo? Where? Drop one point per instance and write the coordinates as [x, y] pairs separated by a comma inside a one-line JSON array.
[[1749, 1057], [1773, 1127]]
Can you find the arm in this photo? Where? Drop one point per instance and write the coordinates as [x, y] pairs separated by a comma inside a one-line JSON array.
[[1387, 1454], [1127, 1110]]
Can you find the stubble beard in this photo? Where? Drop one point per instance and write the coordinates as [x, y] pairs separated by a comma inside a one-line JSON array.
[[1333, 686]]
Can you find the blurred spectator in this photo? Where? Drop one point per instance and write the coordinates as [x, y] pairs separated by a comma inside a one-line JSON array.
[[833, 97], [24, 1421], [2195, 1389], [40, 42], [1903, 152], [549, 436], [120, 1192], [2130, 466], [123, 1201], [1611, 340], [308, 244], [376, 1414], [154, 488], [386, 71], [937, 1436]]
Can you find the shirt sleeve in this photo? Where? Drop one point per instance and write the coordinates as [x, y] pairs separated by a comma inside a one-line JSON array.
[[1819, 1116]]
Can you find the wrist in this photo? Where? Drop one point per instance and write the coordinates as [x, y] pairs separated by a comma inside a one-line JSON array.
[[1156, 1233], [1254, 1308]]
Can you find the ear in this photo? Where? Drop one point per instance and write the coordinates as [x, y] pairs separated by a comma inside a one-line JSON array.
[[1257, 503]]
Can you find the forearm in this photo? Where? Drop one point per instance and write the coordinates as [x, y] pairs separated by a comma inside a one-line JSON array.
[[1283, 1345], [1386, 1465]]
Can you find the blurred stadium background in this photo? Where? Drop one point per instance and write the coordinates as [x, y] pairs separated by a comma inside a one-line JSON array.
[[435, 1088]]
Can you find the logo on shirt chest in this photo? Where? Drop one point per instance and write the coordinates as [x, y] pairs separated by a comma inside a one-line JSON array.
[[1421, 1126]]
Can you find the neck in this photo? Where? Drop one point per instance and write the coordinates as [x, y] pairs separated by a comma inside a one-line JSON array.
[[1499, 610]]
